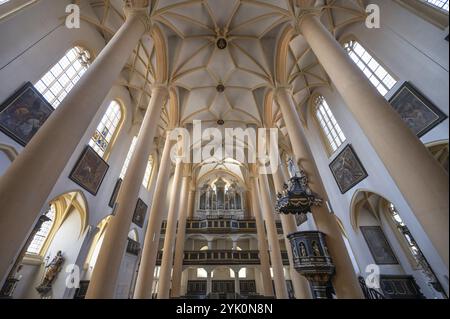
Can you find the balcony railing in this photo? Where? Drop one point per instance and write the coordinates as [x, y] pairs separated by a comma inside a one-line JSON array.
[[221, 226], [222, 257]]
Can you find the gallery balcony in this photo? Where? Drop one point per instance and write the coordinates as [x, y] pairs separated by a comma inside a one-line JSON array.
[[222, 257], [221, 226]]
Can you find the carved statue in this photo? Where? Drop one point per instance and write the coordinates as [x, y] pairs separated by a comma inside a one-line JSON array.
[[51, 271], [316, 249], [303, 252]]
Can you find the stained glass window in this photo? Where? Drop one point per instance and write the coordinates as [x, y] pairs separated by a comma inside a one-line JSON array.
[[106, 129]]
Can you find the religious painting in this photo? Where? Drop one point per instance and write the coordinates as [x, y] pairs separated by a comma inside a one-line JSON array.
[[347, 169], [139, 213], [115, 193], [378, 245], [89, 171], [24, 113], [419, 114]]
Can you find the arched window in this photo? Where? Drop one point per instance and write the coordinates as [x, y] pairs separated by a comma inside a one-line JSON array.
[[441, 4], [63, 76], [107, 129], [148, 173], [128, 158], [376, 73], [202, 273], [148, 170], [333, 135], [40, 237]]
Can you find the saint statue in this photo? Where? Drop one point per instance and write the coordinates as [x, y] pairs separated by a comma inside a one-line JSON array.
[[303, 252], [316, 249], [51, 271], [292, 167]]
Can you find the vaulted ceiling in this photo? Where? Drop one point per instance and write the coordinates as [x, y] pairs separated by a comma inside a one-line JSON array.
[[222, 56]]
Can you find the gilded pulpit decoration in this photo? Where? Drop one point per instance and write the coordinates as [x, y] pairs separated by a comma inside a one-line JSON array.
[[51, 272], [312, 260], [297, 198]]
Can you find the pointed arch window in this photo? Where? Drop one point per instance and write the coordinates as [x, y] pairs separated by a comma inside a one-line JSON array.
[[41, 236], [62, 77], [148, 173], [148, 170], [332, 132], [128, 158], [107, 129], [373, 70]]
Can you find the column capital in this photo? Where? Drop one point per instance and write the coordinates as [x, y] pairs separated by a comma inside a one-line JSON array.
[[307, 8], [138, 9], [162, 89], [282, 88]]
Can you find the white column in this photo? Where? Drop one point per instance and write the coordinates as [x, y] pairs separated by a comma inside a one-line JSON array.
[[151, 242], [209, 282], [169, 236], [181, 233], [237, 287], [275, 252], [262, 241]]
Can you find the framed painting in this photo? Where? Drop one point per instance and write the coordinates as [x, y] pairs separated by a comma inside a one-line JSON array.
[[139, 213], [115, 192], [378, 245], [419, 113], [347, 169], [24, 113], [89, 171]]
